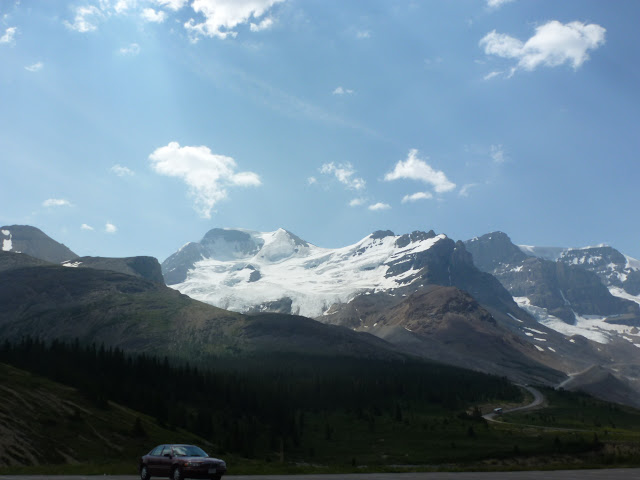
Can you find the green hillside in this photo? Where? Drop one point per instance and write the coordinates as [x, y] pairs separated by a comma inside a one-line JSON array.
[[47, 424]]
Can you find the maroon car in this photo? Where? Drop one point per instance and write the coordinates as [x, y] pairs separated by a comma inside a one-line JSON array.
[[180, 461]]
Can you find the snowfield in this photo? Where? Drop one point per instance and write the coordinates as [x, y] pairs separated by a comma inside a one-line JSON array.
[[589, 326], [279, 265]]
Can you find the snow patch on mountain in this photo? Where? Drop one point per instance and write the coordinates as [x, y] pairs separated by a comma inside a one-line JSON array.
[[548, 253], [72, 264], [269, 267], [7, 244], [619, 292], [589, 326]]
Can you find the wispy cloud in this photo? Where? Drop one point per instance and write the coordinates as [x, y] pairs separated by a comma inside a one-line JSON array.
[[417, 196], [464, 191], [312, 180], [362, 34], [131, 50], [122, 171], [110, 227], [56, 202], [356, 202], [9, 35], [221, 17], [342, 91], [36, 67], [207, 175], [345, 174], [498, 154], [552, 45], [85, 19], [265, 24], [174, 5], [379, 206], [153, 16], [122, 6], [491, 75], [415, 169], [84, 226], [497, 3]]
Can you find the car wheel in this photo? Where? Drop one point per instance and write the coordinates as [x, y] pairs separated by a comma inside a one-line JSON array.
[[144, 473], [176, 474]]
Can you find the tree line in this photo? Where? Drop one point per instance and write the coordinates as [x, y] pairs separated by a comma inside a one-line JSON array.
[[256, 403]]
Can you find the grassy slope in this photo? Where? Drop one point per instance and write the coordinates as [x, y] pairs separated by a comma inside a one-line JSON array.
[[45, 423]]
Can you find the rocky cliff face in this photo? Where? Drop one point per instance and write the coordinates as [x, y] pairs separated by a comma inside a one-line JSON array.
[[144, 267], [564, 287], [612, 267]]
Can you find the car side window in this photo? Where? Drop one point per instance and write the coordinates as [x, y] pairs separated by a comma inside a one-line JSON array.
[[166, 450], [156, 451]]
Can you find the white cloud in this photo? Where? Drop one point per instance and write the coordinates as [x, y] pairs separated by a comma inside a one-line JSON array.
[[362, 34], [9, 35], [552, 45], [379, 206], [85, 18], [342, 91], [110, 227], [415, 169], [131, 50], [122, 6], [497, 3], [174, 5], [207, 175], [263, 25], [155, 16], [497, 153], [490, 75], [417, 196], [56, 202], [84, 226], [356, 202], [464, 191], [122, 171], [36, 67], [312, 180], [345, 175], [222, 16]]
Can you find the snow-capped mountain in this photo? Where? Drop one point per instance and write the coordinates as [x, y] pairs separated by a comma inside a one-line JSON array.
[[419, 291], [618, 272], [578, 291], [245, 271]]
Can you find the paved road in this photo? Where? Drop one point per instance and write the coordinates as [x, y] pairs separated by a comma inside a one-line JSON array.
[[614, 474], [538, 399]]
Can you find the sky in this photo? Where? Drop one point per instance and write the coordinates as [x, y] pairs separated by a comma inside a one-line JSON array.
[[131, 127]]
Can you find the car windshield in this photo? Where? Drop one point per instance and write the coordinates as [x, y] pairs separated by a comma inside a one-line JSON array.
[[188, 451]]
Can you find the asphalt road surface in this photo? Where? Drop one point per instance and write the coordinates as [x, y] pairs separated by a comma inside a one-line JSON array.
[[538, 399], [609, 474]]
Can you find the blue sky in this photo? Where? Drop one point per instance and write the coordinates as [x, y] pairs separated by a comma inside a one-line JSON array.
[[131, 127]]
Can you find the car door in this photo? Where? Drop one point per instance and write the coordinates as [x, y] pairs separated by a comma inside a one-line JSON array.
[[164, 462], [153, 460]]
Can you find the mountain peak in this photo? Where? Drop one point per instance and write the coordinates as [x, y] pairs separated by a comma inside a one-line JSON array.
[[493, 249], [33, 242]]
